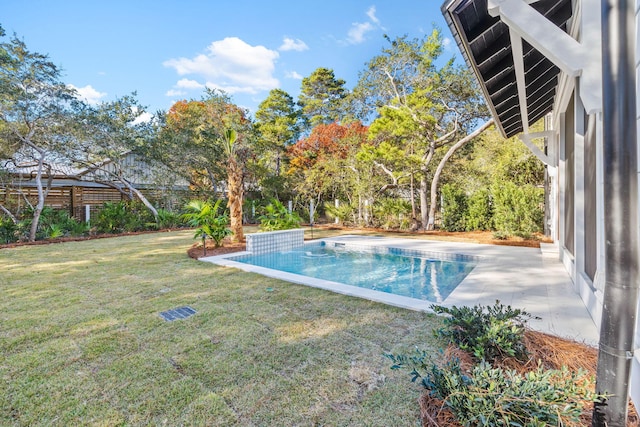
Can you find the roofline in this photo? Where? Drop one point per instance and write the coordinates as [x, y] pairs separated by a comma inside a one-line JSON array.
[[456, 31]]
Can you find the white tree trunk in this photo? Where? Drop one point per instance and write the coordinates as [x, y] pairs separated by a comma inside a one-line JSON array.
[[41, 196], [424, 207], [440, 168]]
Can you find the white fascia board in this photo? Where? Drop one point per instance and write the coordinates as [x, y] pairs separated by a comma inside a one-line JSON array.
[[572, 57]]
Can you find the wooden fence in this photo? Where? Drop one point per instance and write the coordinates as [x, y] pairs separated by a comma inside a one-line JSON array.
[[73, 199]]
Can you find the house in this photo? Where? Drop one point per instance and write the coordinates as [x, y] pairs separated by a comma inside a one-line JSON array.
[[83, 191], [539, 59]]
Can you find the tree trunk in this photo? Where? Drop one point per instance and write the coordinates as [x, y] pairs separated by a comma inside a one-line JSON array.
[[142, 198], [413, 199], [440, 168], [234, 192], [132, 191], [41, 197], [424, 208], [9, 214]]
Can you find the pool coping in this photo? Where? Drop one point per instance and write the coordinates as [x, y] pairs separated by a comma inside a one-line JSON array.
[[517, 276]]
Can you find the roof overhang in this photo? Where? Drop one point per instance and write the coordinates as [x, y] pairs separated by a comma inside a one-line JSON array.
[[518, 80]]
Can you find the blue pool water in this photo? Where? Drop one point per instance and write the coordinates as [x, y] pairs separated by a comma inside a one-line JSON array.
[[416, 275]]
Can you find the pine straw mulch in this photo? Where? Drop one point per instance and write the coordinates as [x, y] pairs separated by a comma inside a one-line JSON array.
[[553, 352], [197, 251], [482, 237]]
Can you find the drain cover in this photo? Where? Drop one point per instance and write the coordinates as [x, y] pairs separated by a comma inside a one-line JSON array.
[[177, 313]]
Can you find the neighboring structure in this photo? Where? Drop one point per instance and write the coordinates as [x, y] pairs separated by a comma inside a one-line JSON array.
[[538, 59], [82, 192]]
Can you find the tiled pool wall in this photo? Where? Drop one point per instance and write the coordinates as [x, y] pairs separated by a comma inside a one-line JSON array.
[[382, 249], [275, 241]]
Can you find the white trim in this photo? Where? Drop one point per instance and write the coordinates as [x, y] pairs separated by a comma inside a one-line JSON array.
[[572, 57], [579, 219], [518, 65], [528, 138]]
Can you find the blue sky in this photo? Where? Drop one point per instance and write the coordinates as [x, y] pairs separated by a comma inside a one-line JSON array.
[[169, 50]]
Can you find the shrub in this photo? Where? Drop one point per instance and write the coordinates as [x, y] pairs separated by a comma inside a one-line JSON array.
[[518, 210], [123, 217], [392, 213], [485, 395], [9, 231], [479, 213], [276, 216], [208, 222], [454, 208], [486, 332], [166, 219], [490, 396], [345, 212], [54, 223]]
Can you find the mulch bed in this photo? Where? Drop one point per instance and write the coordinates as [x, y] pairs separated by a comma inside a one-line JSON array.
[[484, 237], [553, 352], [197, 251]]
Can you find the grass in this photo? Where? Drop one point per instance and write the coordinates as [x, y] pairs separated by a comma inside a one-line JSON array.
[[82, 343]]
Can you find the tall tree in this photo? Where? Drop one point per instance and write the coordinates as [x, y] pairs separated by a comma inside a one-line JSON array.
[[324, 163], [191, 134], [107, 136], [426, 105], [212, 138], [278, 122], [35, 109], [321, 97]]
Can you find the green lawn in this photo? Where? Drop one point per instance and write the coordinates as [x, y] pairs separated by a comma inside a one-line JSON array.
[[82, 343]]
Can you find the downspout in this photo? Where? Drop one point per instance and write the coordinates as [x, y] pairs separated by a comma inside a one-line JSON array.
[[619, 315]]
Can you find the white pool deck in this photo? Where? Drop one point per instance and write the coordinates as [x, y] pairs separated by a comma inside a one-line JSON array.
[[523, 278]]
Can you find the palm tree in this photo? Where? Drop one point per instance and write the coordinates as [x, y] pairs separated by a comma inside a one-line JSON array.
[[234, 184]]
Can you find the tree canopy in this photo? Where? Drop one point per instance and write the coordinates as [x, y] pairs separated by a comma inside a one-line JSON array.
[[408, 123]]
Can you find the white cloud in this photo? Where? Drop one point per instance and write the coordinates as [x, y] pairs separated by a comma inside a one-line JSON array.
[[88, 94], [174, 92], [189, 84], [371, 13], [231, 65], [231, 89], [357, 32], [293, 75], [291, 44], [446, 43], [145, 117]]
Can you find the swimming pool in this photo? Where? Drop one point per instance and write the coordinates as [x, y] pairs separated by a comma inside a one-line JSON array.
[[426, 276]]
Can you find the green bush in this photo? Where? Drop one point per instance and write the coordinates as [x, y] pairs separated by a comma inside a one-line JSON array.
[[454, 208], [490, 396], [166, 219], [346, 213], [479, 215], [9, 231], [275, 216], [518, 210], [53, 223], [123, 217], [486, 332], [392, 213], [204, 217], [493, 396]]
